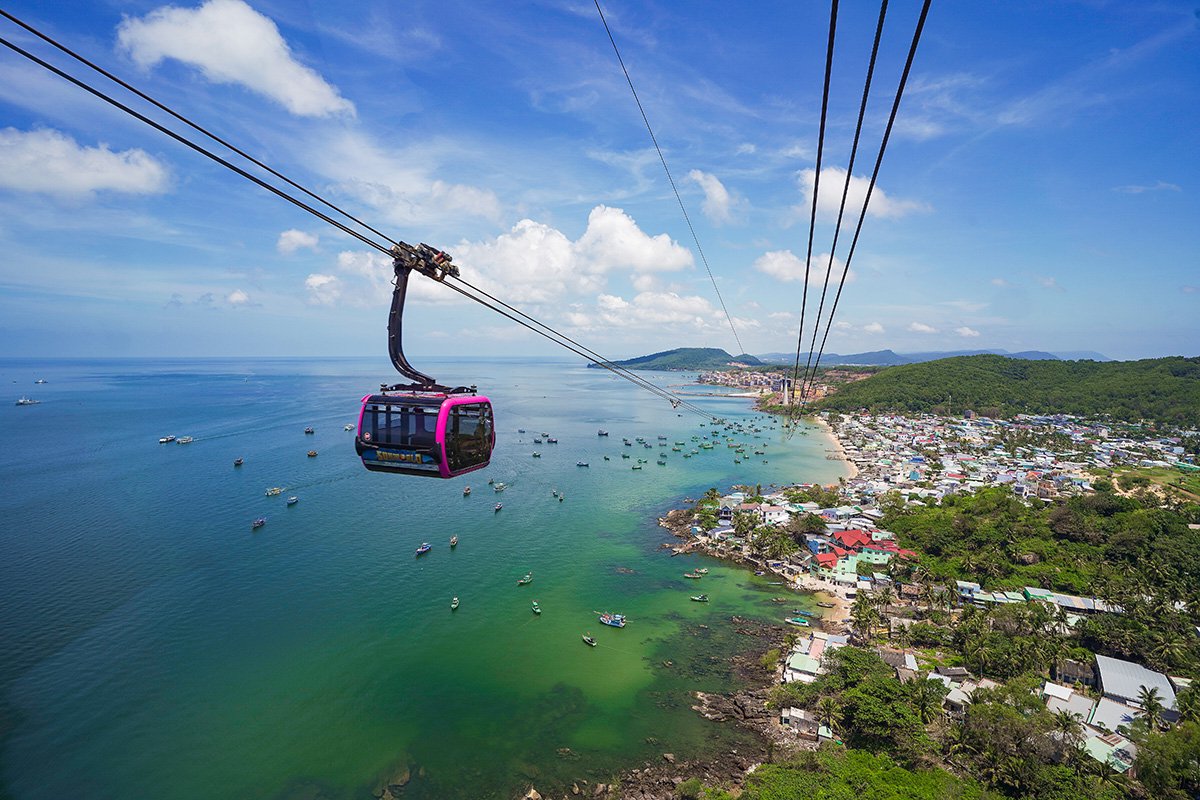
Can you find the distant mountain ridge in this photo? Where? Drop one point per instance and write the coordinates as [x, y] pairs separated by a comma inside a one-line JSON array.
[[890, 358], [687, 358]]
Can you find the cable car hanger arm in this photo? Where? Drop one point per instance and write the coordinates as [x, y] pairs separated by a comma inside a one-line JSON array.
[[432, 263]]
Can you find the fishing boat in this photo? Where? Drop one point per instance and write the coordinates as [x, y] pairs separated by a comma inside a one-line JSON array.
[[520, 430], [562, 497], [162, 439], [701, 571], [184, 440], [614, 620], [692, 575], [826, 605], [606, 458], [40, 380], [258, 523], [589, 641], [802, 613], [798, 621], [552, 440], [636, 466], [454, 540], [498, 507], [312, 453], [28, 401], [527, 579], [274, 490], [581, 463], [602, 432], [537, 441], [700, 598], [424, 548], [454, 604], [554, 492], [309, 430], [536, 608], [237, 462], [624, 455], [291, 501], [349, 426], [499, 487], [466, 491], [661, 463], [536, 454]]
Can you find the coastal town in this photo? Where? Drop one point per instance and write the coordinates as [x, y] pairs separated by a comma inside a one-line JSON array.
[[878, 596]]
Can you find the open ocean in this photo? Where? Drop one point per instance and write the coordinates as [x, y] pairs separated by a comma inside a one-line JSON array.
[[151, 645]]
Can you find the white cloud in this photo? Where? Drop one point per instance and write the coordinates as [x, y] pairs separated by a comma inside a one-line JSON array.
[[230, 42], [650, 310], [921, 327], [613, 241], [1000, 282], [966, 333], [873, 327], [780, 315], [323, 290], [842, 326], [787, 266], [237, 298], [1158, 186], [833, 180], [52, 162], [719, 205], [1048, 282], [292, 240], [746, 149]]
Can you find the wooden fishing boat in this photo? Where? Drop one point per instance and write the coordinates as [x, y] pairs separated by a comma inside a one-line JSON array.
[[613, 620], [799, 621], [527, 579], [700, 598], [589, 641], [536, 608], [454, 540], [692, 575], [424, 548], [454, 604], [827, 605], [258, 523]]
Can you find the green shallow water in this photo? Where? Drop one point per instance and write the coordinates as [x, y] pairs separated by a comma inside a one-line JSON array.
[[158, 647]]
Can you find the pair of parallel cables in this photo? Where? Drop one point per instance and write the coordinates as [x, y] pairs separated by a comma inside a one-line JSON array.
[[464, 288]]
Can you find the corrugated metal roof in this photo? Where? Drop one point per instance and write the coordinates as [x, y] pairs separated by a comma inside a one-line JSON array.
[[1124, 679]]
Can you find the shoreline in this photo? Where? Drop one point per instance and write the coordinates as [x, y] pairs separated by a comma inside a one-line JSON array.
[[837, 443]]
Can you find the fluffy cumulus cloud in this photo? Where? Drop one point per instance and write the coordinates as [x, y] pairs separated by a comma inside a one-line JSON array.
[[230, 42], [292, 240], [921, 327], [719, 204], [536, 263], [237, 298], [787, 266], [873, 327], [322, 289], [833, 180], [966, 333], [654, 311], [51, 162]]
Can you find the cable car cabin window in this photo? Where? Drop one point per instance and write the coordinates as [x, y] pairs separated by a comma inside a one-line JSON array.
[[469, 436], [403, 426]]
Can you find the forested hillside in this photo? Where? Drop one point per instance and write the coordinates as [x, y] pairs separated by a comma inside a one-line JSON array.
[[1165, 390]]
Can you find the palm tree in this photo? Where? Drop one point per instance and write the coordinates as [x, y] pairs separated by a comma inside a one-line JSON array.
[[1187, 702], [927, 696], [829, 712], [885, 597], [1152, 706], [1070, 733]]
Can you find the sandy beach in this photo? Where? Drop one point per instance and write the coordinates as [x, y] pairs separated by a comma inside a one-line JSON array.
[[837, 445]]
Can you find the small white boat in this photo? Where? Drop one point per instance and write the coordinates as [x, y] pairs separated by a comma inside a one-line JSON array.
[[291, 501], [166, 439], [27, 401], [184, 440], [499, 487], [347, 427], [40, 380]]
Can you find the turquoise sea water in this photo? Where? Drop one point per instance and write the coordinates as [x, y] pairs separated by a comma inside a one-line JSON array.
[[154, 646]]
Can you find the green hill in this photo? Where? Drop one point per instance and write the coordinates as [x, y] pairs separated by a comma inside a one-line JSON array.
[[687, 358], [1165, 390]]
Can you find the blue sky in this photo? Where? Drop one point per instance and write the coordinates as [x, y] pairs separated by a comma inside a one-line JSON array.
[[1039, 192]]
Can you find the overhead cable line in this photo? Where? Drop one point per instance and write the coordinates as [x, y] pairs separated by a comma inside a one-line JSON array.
[[670, 179], [812, 221], [912, 52], [548, 332], [188, 122], [837, 229]]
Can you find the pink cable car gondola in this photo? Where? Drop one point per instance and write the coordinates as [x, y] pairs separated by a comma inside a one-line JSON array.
[[422, 428]]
